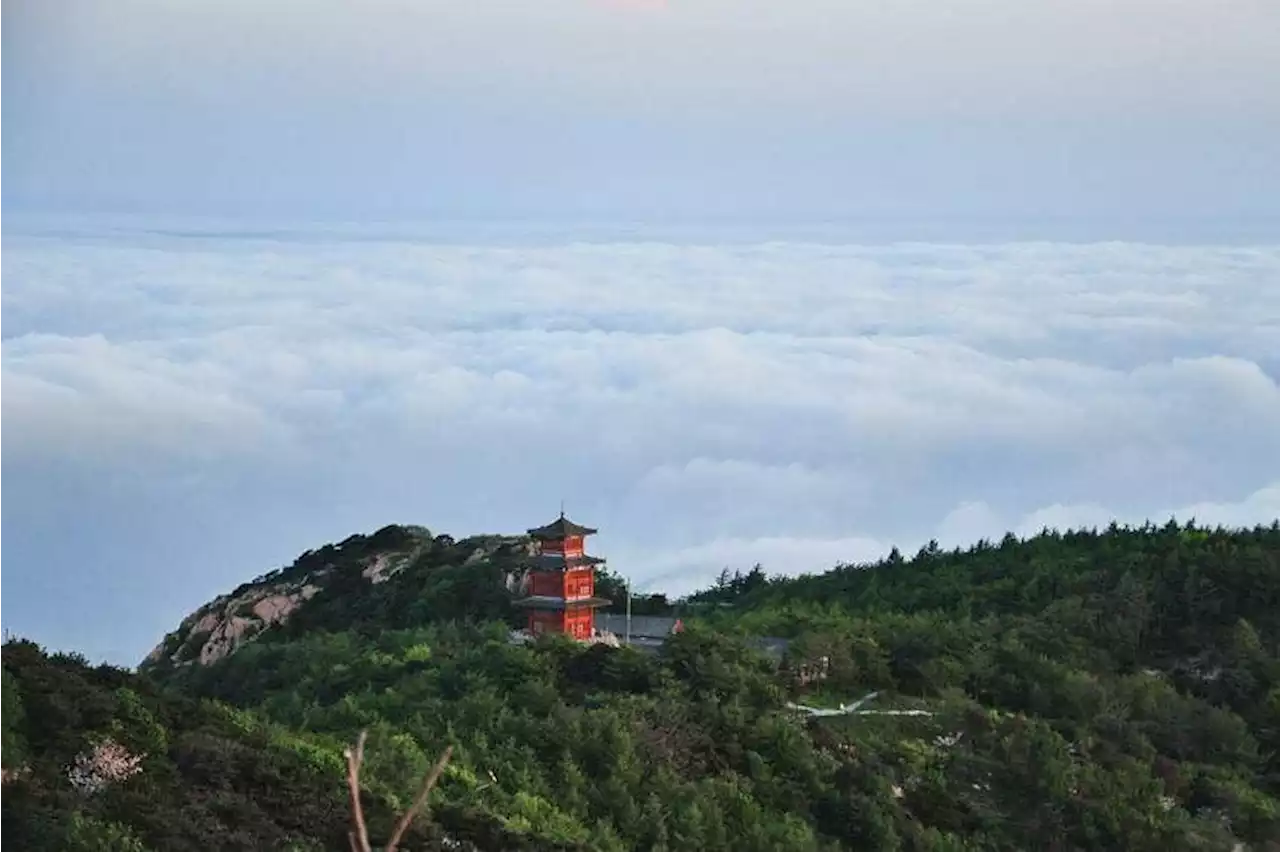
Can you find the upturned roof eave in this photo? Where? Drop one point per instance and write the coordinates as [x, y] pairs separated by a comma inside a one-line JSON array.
[[561, 527]]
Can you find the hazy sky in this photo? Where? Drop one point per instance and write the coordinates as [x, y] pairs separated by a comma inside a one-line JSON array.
[[274, 273], [1128, 111]]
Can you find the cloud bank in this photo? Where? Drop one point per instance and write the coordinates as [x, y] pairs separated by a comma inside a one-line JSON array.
[[185, 409]]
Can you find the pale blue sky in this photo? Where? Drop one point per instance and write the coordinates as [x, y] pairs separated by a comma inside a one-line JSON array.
[[787, 282], [1047, 112]]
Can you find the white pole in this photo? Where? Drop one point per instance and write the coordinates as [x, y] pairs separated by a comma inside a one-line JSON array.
[[627, 641]]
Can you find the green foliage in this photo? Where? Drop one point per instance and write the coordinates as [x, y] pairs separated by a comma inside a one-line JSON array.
[[213, 777], [428, 579], [561, 744], [88, 834], [1089, 690], [1152, 654], [13, 746]]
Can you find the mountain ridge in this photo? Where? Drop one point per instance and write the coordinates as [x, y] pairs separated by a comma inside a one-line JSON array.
[[222, 625]]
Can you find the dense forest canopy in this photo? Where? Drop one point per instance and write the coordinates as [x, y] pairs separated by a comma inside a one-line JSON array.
[[1114, 689]]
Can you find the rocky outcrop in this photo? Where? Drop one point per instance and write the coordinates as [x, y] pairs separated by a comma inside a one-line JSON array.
[[384, 566], [225, 623]]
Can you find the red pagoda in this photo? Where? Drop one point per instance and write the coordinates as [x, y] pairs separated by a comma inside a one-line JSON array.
[[561, 583]]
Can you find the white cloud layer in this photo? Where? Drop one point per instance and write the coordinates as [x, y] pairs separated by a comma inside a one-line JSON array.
[[182, 412]]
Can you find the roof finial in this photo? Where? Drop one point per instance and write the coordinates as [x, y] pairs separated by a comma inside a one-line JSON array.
[[562, 507]]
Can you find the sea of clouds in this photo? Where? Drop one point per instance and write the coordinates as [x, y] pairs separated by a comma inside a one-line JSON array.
[[184, 409]]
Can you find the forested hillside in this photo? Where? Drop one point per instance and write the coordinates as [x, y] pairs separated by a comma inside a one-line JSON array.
[[101, 760], [1087, 691]]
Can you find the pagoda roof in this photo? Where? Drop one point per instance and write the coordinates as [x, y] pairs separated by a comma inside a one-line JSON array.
[[559, 562], [554, 603], [561, 527]]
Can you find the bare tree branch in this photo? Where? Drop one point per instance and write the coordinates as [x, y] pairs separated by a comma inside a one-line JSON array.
[[360, 837], [432, 777]]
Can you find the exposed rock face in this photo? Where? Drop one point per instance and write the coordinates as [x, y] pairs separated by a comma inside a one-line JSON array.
[[384, 566], [277, 607], [226, 622]]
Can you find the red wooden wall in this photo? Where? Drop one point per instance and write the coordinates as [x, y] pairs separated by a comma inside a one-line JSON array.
[[571, 546], [577, 583], [578, 623], [549, 583]]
